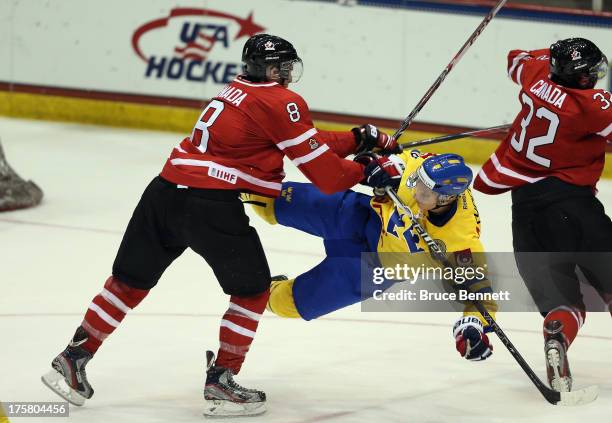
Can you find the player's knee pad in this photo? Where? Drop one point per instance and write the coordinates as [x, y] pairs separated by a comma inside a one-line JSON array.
[[118, 290], [263, 206], [281, 299]]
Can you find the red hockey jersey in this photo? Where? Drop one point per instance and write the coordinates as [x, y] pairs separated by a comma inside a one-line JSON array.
[[243, 134], [559, 132]]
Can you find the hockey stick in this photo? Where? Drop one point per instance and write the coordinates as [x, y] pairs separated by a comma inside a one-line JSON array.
[[580, 397], [406, 123], [444, 138]]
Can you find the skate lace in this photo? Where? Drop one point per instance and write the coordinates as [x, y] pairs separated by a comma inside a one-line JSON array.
[[236, 386]]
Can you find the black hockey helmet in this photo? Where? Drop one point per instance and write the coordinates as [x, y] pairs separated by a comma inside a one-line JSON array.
[[262, 50], [577, 63]]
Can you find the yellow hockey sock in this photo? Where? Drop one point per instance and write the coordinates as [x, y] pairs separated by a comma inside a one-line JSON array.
[[281, 299]]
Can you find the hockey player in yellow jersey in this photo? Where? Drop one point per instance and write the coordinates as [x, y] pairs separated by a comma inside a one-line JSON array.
[[434, 187]]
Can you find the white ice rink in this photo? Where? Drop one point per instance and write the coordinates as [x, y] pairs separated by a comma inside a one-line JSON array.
[[348, 367]]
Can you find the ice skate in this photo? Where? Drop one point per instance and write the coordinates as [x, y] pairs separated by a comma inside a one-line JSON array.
[[68, 378], [224, 397], [555, 350]]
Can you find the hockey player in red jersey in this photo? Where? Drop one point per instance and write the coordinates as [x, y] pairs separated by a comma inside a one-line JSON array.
[[253, 123], [551, 160], [237, 145]]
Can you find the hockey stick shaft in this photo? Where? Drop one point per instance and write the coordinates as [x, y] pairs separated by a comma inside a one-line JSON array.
[[451, 137], [406, 122], [551, 396]]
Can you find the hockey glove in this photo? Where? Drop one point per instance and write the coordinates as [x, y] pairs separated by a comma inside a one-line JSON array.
[[470, 340], [380, 171], [369, 138]]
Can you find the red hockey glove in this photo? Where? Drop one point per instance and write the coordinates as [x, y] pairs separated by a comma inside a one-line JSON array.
[[380, 171], [369, 138], [470, 340]]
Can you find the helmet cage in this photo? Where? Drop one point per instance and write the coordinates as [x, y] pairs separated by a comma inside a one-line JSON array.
[[291, 70], [446, 175], [421, 175], [600, 70], [290, 67]]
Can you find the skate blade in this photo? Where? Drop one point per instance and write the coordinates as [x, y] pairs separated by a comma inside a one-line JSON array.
[[558, 383], [54, 380], [579, 397], [222, 408], [561, 384]]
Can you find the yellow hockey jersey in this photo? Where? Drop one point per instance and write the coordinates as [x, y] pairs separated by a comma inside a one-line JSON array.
[[460, 232], [457, 233]]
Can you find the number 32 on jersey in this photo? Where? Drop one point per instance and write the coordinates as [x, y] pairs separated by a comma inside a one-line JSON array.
[[532, 143]]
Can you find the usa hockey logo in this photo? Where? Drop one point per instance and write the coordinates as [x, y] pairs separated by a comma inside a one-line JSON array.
[[193, 44], [576, 55]]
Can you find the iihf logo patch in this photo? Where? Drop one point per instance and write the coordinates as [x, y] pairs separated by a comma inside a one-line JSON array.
[[313, 144], [269, 45], [576, 55]]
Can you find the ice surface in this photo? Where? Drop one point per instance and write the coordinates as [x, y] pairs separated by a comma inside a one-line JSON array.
[[348, 367]]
